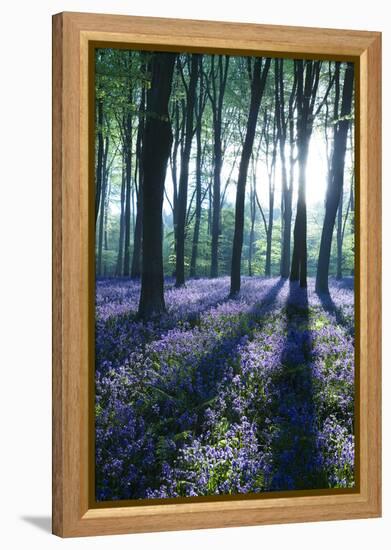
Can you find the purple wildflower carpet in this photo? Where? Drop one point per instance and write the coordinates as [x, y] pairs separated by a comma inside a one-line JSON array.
[[224, 396]]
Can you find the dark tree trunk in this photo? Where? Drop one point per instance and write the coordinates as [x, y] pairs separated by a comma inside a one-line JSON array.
[[128, 128], [210, 208], [271, 178], [138, 226], [257, 87], [251, 237], [133, 205], [197, 218], [137, 237], [120, 257], [102, 204], [307, 84], [288, 197], [184, 175], [269, 236], [105, 227], [106, 220], [198, 204], [299, 256], [128, 191], [215, 222], [286, 239], [283, 125], [176, 118], [217, 97], [335, 183], [156, 150], [339, 237], [99, 161]]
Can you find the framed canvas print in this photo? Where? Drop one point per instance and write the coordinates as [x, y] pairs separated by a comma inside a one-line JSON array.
[[216, 274]]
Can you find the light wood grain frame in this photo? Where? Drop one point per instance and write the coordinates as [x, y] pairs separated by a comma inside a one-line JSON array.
[[72, 293]]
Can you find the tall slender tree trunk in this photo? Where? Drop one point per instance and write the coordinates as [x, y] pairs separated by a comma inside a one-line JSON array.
[[106, 220], [127, 131], [307, 85], [299, 256], [197, 218], [217, 97], [99, 161], [215, 222], [269, 236], [133, 205], [335, 183], [252, 225], [198, 203], [120, 256], [105, 227], [176, 146], [156, 150], [283, 126], [102, 205], [128, 191], [210, 209], [339, 237], [286, 239], [288, 199], [137, 237], [138, 226], [257, 88], [271, 178], [184, 175]]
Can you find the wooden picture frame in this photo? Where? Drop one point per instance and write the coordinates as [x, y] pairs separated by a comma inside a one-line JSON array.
[[73, 514]]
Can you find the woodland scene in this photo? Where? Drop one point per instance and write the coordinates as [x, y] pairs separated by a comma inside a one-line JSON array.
[[224, 269]]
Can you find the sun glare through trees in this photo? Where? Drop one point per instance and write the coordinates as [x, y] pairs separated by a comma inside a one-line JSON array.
[[225, 254]]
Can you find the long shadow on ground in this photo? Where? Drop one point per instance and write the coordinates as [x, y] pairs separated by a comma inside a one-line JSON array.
[[182, 405], [215, 367], [294, 446], [330, 307]]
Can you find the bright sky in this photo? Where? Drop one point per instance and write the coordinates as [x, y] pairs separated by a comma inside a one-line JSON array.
[[316, 176]]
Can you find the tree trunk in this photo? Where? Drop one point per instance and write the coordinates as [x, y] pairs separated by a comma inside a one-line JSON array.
[[251, 237], [197, 219], [128, 182], [198, 205], [105, 227], [307, 85], [271, 178], [339, 237], [128, 147], [269, 237], [174, 168], [137, 237], [156, 151], [257, 88], [106, 220], [217, 97], [102, 204], [335, 183], [299, 256], [119, 267], [99, 161], [286, 238], [283, 126], [214, 269], [138, 226], [184, 175]]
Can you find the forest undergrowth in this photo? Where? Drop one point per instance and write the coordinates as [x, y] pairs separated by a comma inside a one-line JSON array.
[[224, 396]]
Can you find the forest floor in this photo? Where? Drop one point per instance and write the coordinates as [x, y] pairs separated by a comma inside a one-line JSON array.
[[224, 396]]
